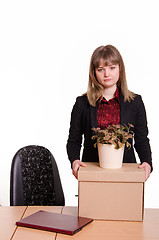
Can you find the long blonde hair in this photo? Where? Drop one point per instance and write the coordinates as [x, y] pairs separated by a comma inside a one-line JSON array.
[[110, 55]]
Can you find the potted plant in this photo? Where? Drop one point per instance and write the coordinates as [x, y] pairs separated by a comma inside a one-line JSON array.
[[111, 143]]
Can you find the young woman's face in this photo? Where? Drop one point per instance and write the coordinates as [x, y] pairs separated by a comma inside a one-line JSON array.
[[107, 76]]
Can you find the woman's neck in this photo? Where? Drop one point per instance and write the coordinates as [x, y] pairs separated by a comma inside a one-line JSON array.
[[108, 93]]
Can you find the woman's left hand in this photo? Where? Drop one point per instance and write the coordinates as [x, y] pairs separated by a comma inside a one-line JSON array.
[[147, 169]]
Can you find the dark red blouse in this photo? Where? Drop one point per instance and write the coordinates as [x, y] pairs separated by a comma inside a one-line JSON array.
[[108, 112]]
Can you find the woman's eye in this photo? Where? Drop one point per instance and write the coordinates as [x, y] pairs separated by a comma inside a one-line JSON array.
[[100, 70], [112, 67]]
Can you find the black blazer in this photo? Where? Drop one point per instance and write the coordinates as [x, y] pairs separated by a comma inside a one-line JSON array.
[[84, 118]]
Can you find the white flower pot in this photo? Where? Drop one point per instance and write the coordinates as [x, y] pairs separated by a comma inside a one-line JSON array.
[[109, 157]]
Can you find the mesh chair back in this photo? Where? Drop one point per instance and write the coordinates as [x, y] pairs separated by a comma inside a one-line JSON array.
[[35, 178]]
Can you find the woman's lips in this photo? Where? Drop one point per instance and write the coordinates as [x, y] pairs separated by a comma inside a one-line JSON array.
[[107, 79]]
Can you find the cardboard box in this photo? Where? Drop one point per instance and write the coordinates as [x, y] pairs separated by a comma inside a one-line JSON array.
[[111, 194]]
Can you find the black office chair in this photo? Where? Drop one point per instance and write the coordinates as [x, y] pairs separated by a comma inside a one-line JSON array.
[[35, 178]]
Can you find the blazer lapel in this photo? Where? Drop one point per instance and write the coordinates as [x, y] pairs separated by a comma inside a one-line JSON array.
[[93, 116], [124, 110], [121, 109]]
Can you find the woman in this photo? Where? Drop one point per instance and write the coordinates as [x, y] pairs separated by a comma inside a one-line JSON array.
[[107, 101]]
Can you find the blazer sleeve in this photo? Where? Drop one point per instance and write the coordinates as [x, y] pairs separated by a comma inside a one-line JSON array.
[[74, 141], [142, 144]]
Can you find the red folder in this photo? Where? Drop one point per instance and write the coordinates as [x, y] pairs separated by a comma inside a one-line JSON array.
[[55, 222]]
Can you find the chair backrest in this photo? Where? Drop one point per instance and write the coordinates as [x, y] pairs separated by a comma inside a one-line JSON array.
[[35, 178]]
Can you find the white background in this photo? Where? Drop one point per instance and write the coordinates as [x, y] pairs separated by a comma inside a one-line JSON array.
[[45, 50]]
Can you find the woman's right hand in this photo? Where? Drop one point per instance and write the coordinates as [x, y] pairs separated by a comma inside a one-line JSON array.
[[75, 167]]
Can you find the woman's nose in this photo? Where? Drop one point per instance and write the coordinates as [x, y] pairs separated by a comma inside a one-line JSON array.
[[106, 72]]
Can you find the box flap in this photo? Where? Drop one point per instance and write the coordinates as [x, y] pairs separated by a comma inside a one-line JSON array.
[[128, 173]]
